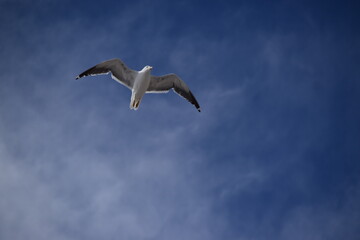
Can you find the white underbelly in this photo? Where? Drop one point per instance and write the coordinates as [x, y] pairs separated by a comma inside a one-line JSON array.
[[141, 84]]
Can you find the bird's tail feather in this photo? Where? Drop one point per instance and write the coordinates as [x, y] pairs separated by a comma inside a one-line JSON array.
[[134, 103]]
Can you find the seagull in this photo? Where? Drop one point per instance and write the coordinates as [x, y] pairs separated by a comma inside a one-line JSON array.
[[141, 82]]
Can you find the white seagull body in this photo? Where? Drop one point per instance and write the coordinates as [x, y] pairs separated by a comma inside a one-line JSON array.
[[141, 82]]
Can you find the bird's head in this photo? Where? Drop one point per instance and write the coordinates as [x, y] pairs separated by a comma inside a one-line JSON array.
[[147, 68]]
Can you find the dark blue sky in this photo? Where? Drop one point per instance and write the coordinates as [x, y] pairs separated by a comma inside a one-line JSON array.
[[273, 155]]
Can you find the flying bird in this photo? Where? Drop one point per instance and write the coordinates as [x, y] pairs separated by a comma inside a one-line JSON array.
[[141, 82]]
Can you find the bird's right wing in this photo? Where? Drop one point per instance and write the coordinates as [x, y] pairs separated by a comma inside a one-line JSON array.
[[171, 81], [119, 72]]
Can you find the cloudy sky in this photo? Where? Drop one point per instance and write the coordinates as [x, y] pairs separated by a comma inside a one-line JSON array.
[[273, 155]]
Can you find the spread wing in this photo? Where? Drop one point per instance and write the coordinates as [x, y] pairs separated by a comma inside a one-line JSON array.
[[171, 81], [119, 72]]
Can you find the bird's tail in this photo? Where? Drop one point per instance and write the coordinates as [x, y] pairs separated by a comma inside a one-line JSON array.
[[135, 102]]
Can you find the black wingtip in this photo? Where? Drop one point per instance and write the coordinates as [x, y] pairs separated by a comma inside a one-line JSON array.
[[77, 77], [195, 102]]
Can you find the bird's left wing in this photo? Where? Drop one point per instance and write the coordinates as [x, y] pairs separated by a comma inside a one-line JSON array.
[[171, 81], [119, 71]]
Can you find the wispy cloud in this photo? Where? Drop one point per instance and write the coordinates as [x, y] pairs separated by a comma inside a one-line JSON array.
[[76, 163]]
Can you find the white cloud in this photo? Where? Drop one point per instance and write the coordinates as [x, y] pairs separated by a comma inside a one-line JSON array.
[[76, 163]]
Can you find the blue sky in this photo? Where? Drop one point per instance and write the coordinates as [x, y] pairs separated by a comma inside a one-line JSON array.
[[273, 155]]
